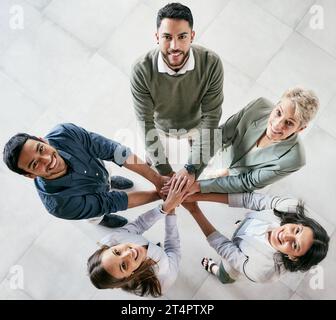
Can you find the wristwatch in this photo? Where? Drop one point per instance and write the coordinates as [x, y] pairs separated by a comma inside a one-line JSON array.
[[190, 168]]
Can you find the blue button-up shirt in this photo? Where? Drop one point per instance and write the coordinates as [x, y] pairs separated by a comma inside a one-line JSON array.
[[84, 191]]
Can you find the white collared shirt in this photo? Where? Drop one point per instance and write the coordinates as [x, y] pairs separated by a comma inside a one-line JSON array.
[[189, 65], [249, 252], [167, 258]]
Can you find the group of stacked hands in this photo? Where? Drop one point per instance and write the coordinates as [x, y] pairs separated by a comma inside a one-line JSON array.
[[180, 86]]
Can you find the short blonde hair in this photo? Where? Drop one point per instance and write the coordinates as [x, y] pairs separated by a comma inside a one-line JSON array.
[[305, 102]]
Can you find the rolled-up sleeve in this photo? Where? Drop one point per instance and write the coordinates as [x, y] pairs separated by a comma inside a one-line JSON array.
[[228, 250], [259, 201], [98, 145]]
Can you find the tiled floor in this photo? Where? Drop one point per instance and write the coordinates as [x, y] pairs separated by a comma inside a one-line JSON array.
[[71, 62]]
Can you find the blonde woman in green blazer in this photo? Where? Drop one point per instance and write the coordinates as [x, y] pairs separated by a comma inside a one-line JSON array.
[[264, 141]]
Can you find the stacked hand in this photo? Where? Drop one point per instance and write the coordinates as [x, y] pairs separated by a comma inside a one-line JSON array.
[[178, 177], [177, 192], [159, 185]]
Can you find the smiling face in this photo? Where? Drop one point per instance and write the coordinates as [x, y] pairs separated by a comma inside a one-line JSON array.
[[175, 37], [292, 239], [282, 121], [121, 260], [39, 159]]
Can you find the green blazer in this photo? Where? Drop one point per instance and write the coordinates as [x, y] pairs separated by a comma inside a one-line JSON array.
[[262, 167]]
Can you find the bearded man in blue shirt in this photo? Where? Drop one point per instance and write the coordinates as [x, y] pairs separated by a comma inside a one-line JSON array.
[[70, 176]]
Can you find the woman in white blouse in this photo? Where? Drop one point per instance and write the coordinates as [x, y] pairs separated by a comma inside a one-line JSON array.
[[274, 238], [127, 260]]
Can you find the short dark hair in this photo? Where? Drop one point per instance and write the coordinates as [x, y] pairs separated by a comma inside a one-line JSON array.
[[317, 252], [12, 150], [175, 11]]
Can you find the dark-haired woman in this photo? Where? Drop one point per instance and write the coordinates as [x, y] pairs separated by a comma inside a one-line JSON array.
[[127, 260], [274, 238]]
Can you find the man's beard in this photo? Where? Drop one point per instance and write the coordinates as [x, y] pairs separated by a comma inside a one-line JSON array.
[[174, 66]]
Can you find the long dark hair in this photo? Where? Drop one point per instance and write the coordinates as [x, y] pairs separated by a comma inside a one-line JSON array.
[[142, 281], [317, 252]]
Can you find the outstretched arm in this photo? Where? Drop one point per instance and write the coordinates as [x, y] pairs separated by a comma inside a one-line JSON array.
[[172, 246], [211, 197], [200, 218], [223, 246], [244, 182], [249, 200], [141, 197], [135, 164]]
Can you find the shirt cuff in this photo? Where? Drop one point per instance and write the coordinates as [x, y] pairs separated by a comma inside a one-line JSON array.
[[235, 200], [171, 219], [127, 153], [213, 236], [160, 207], [164, 169], [204, 186]]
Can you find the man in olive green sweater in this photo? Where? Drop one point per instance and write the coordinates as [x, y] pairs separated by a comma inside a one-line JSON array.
[[178, 86]]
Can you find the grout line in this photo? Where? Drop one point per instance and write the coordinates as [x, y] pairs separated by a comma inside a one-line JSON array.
[[307, 11], [275, 54], [284, 22], [316, 45], [43, 227], [199, 35], [199, 287], [112, 31], [325, 131]]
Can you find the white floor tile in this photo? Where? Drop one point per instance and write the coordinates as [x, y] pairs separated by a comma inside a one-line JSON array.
[[39, 4], [15, 17], [325, 35], [13, 98], [9, 289], [22, 219], [236, 86], [128, 42], [292, 279], [327, 118], [43, 61], [295, 296], [95, 96], [300, 62], [246, 36], [92, 21], [290, 12], [212, 289], [59, 258]]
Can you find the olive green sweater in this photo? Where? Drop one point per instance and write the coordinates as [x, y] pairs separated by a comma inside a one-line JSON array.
[[177, 102]]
